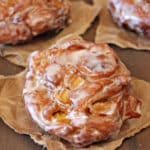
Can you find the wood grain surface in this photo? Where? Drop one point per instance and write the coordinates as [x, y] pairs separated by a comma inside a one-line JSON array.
[[138, 63]]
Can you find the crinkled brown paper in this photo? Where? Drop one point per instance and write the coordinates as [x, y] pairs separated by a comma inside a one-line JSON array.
[[109, 32], [13, 113], [82, 15]]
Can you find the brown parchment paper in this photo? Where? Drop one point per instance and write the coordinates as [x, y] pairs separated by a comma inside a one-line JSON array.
[[13, 113], [82, 15], [109, 32]]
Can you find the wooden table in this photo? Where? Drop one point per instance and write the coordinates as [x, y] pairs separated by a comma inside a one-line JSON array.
[[138, 63]]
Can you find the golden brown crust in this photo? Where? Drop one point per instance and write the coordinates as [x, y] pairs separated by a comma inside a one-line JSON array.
[[22, 20], [79, 91], [132, 14]]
